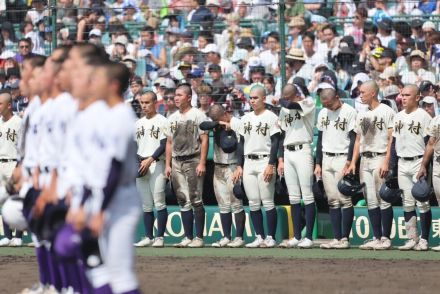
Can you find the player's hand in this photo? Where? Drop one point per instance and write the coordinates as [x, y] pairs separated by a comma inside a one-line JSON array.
[[238, 173], [36, 178], [201, 169], [226, 125], [145, 165], [96, 224], [268, 173], [40, 204], [351, 169], [422, 173], [346, 166], [168, 172], [79, 219], [384, 169], [280, 169], [318, 171]]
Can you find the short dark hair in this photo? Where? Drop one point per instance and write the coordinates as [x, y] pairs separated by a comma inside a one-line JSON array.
[[274, 35], [27, 40], [309, 35], [148, 29], [118, 72], [149, 92], [330, 27], [35, 60], [186, 87], [92, 53]]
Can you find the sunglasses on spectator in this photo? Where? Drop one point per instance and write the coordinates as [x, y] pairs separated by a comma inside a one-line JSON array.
[[24, 47]]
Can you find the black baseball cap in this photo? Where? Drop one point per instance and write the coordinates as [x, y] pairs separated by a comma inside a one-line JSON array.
[[416, 23], [385, 24], [214, 67]]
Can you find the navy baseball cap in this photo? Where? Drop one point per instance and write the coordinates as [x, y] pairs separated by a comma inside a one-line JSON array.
[[228, 141]]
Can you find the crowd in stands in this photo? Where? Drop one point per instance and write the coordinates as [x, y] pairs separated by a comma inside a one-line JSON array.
[[221, 47]]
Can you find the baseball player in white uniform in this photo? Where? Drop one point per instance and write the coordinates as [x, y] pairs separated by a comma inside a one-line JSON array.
[[374, 130], [336, 137], [151, 142], [10, 132], [186, 152], [432, 148], [120, 208], [410, 134], [225, 165], [259, 139], [296, 121]]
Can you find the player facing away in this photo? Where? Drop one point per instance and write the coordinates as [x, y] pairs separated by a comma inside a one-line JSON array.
[[296, 162], [225, 165], [410, 135], [186, 151], [10, 133], [151, 142], [374, 130], [119, 208], [257, 157], [336, 137]]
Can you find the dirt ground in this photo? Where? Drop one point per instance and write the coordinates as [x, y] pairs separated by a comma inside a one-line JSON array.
[[257, 275]]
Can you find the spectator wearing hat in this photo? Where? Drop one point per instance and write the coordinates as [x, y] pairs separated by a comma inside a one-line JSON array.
[[19, 102], [213, 57], [214, 7], [388, 77], [119, 50], [381, 58], [417, 70], [401, 30], [403, 49], [385, 27], [389, 95], [429, 104], [131, 13], [416, 30], [356, 30], [185, 57], [195, 79], [95, 36], [218, 86], [427, 88], [88, 19], [296, 29], [269, 84], [28, 32], [429, 30], [299, 66], [269, 57]]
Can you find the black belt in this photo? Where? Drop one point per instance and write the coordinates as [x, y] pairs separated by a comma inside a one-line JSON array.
[[8, 160], [294, 147], [411, 158], [185, 157], [334, 154], [369, 154], [44, 169], [225, 164], [256, 156]]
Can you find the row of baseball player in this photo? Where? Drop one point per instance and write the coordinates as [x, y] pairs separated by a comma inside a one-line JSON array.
[[249, 151], [73, 184]]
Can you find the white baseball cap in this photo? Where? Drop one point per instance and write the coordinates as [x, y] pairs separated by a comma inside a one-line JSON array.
[[211, 48], [95, 32], [428, 99]]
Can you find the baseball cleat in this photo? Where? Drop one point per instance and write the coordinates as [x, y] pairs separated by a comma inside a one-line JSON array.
[[184, 243], [222, 243], [385, 244], [409, 245], [269, 242], [436, 248], [236, 243], [196, 243], [330, 245], [5, 242], [291, 243], [35, 289], [30, 244], [422, 245], [343, 244], [145, 242], [256, 243], [16, 242], [50, 290], [372, 244], [158, 242], [305, 243]]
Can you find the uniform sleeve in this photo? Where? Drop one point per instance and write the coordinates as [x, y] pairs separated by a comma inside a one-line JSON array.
[[274, 128], [426, 123], [357, 126], [390, 120], [432, 129], [201, 117], [281, 118], [352, 121], [307, 107], [318, 121], [236, 125]]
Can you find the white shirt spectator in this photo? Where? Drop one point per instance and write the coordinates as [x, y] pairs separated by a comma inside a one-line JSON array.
[[35, 15], [269, 60]]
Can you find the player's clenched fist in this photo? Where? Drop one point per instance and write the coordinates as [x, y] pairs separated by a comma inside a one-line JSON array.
[[238, 173], [318, 171], [268, 173], [200, 170], [168, 171]]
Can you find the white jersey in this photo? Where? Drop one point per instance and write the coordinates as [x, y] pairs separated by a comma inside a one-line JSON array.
[[434, 132], [10, 132], [185, 131], [373, 126], [298, 124], [335, 127], [33, 137], [257, 130], [47, 148], [410, 130], [30, 109], [149, 133]]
